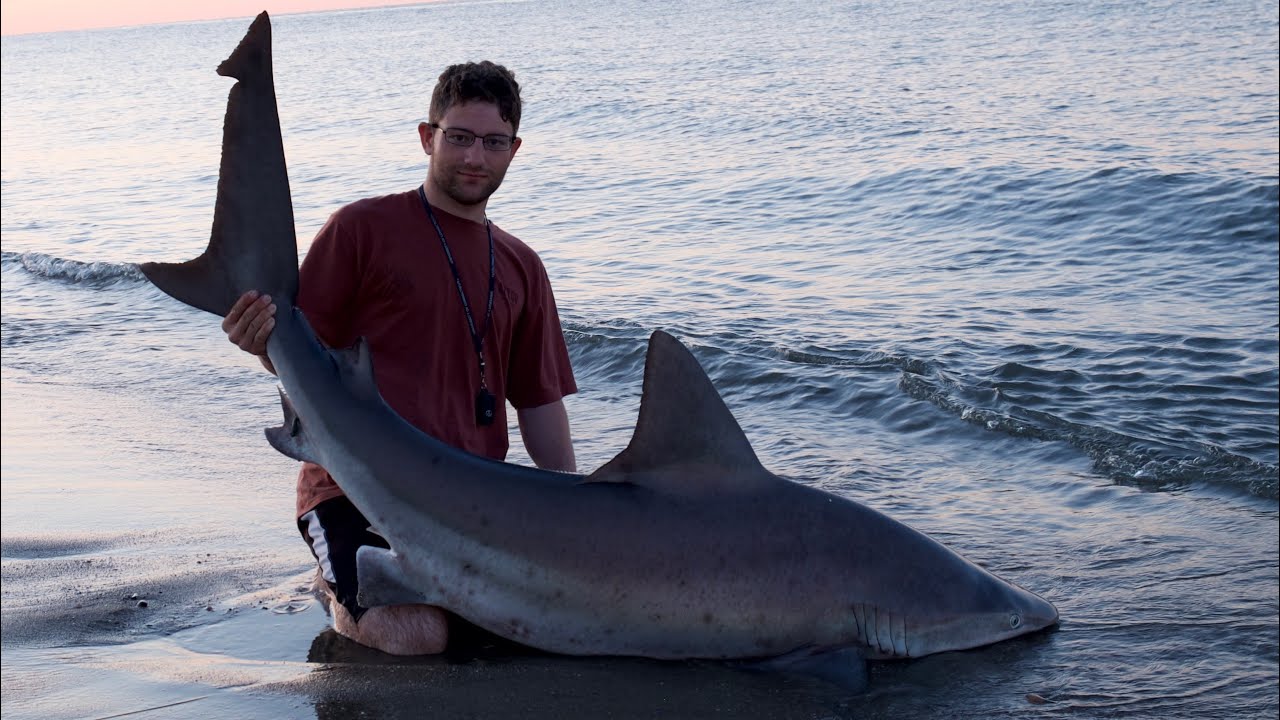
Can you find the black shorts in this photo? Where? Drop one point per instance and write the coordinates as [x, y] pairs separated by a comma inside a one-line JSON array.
[[335, 530]]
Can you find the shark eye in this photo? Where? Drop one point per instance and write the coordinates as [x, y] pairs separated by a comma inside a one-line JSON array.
[[1015, 621]]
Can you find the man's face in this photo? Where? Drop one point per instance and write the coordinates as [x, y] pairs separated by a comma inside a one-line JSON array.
[[468, 175]]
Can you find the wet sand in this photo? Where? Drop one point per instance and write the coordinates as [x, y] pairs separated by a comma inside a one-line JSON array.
[[147, 583], [93, 631], [152, 571]]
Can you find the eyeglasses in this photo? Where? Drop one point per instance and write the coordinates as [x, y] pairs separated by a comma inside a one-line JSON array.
[[466, 138]]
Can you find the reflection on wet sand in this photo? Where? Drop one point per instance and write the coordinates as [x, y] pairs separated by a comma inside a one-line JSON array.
[[491, 677]]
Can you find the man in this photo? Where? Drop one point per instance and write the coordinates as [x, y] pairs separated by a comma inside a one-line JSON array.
[[459, 317]]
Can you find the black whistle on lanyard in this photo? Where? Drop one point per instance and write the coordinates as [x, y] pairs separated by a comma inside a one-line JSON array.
[[486, 407]]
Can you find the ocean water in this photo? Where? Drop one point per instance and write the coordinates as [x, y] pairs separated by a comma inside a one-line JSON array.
[[1005, 271]]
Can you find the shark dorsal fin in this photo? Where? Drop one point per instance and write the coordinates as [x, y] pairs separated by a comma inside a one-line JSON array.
[[683, 422]]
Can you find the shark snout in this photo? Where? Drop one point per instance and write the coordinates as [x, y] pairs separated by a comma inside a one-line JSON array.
[[1000, 611], [1036, 612]]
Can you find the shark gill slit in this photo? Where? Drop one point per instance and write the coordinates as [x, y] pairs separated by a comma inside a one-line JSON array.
[[900, 636], [895, 625], [864, 615], [883, 629], [906, 639]]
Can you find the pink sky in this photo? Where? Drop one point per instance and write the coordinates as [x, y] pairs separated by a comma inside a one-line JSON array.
[[27, 16]]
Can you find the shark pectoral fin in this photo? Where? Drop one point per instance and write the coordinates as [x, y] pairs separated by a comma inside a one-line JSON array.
[[683, 423], [383, 581], [843, 666], [291, 438]]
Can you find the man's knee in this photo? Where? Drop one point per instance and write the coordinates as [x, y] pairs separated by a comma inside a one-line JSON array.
[[397, 629]]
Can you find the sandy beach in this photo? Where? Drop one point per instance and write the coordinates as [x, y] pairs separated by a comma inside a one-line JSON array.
[[1004, 272]]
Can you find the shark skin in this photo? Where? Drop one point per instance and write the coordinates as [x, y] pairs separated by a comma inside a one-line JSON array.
[[683, 546]]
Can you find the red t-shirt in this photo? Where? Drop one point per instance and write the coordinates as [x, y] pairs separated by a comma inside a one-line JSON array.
[[377, 270]]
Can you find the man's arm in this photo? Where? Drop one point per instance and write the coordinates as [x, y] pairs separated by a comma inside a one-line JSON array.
[[545, 431]]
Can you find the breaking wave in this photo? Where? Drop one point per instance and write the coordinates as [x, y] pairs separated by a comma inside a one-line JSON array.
[[73, 272], [1154, 464]]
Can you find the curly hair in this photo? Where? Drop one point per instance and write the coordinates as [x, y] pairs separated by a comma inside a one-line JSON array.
[[484, 81]]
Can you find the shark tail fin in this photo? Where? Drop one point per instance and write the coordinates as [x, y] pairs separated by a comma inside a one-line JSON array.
[[249, 54], [252, 246], [291, 438], [195, 282]]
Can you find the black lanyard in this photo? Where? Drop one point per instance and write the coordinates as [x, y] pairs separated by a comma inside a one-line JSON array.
[[484, 415]]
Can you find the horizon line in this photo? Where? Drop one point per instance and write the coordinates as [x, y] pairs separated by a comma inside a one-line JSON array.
[[354, 7]]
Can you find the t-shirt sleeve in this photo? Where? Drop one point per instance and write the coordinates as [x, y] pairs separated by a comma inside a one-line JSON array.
[[329, 283], [539, 371]]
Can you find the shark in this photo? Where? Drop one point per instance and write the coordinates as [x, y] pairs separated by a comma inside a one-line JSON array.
[[683, 546]]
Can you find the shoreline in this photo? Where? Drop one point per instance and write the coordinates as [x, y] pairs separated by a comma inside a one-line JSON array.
[[272, 654]]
